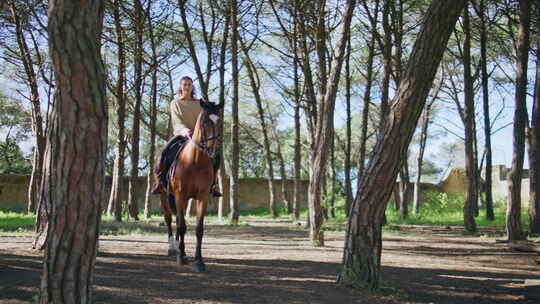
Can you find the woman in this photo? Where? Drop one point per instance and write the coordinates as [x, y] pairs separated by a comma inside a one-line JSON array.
[[185, 110]]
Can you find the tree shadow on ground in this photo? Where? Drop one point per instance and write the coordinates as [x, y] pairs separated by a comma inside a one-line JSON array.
[[150, 278]]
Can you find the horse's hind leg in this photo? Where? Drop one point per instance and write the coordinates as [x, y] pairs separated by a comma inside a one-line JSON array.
[[172, 243], [201, 209], [181, 228], [167, 215]]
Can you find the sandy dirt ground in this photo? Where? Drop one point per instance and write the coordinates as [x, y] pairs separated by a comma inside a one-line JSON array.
[[273, 262]]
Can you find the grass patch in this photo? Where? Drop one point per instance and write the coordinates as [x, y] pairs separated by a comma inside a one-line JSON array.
[[438, 209], [16, 222], [264, 212]]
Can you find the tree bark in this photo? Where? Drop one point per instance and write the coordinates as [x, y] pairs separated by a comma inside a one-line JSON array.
[[513, 212], [325, 129], [534, 150], [469, 117], [115, 198], [74, 169], [363, 240], [235, 157]]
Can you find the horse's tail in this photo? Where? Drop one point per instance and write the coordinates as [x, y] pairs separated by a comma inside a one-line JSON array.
[[171, 202]]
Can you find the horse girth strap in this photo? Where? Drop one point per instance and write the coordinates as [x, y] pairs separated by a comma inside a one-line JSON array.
[[203, 146]]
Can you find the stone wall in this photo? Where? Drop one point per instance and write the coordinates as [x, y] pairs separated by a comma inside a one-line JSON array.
[[500, 184], [456, 183], [253, 193]]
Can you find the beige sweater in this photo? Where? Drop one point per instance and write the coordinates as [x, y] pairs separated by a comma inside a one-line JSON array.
[[184, 114]]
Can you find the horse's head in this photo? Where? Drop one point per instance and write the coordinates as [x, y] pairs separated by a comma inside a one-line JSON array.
[[212, 110], [206, 130]]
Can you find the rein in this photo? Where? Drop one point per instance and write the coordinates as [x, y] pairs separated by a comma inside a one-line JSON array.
[[203, 144]]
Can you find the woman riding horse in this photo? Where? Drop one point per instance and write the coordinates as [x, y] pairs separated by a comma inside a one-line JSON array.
[[184, 112], [192, 169]]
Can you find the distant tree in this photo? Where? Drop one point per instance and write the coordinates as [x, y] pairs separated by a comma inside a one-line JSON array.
[[513, 212], [534, 148], [22, 14], [482, 12], [12, 159], [115, 199], [15, 125], [325, 128], [255, 82], [138, 25], [235, 155], [468, 116]]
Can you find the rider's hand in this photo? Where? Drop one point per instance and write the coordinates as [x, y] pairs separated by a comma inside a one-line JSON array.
[[188, 132]]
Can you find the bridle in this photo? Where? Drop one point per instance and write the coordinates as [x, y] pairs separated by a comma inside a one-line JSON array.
[[203, 145]]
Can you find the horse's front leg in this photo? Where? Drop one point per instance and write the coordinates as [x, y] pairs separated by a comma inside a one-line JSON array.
[[181, 228], [201, 209]]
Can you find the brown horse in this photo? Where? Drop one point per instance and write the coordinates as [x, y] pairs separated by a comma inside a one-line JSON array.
[[191, 177]]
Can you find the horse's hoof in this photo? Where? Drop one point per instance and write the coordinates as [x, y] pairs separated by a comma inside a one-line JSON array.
[[171, 252], [199, 266], [181, 260]]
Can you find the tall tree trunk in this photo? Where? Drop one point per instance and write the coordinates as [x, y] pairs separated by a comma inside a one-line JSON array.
[[490, 215], [367, 98], [348, 135], [192, 49], [74, 170], [534, 153], [281, 160], [404, 190], [423, 139], [387, 60], [115, 198], [37, 119], [297, 101], [513, 212], [153, 116], [363, 240], [255, 85], [133, 202], [469, 117], [222, 57], [332, 199], [325, 129], [235, 157]]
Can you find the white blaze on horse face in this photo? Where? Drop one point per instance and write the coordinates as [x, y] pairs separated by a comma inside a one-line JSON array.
[[214, 118]]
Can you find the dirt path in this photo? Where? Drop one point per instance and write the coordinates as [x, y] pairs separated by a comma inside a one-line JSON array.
[[274, 263]]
